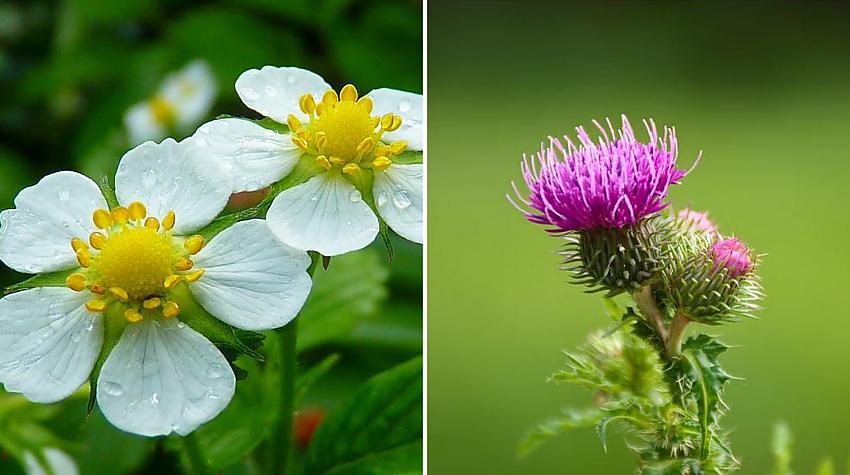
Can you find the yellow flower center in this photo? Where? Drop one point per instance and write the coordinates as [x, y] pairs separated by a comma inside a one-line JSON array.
[[343, 133], [163, 111], [134, 261]]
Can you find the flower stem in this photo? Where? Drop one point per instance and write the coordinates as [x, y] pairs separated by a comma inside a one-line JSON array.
[[677, 334], [197, 462], [646, 303], [281, 441]]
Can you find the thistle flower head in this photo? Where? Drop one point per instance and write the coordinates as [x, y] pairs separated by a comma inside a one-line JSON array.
[[733, 255], [611, 183], [696, 221]]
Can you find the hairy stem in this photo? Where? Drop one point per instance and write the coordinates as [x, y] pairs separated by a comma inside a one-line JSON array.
[[197, 462], [677, 334], [281, 441], [647, 305]]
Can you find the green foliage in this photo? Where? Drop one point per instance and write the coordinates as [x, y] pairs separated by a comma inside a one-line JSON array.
[[379, 430], [783, 441]]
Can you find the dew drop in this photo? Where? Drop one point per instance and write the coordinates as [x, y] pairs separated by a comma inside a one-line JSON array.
[[250, 93], [215, 371], [155, 399], [181, 325], [355, 196], [404, 106], [382, 199], [271, 92], [290, 79], [149, 178], [314, 198], [112, 389], [401, 200], [63, 193], [75, 337]]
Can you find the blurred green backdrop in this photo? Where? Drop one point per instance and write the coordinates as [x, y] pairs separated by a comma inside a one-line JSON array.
[[68, 72], [763, 89]]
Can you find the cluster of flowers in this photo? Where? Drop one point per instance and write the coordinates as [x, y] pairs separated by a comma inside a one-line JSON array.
[[123, 278], [608, 200]]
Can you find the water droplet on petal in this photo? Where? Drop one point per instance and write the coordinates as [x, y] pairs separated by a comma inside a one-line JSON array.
[[155, 399], [215, 371], [270, 91], [382, 199], [112, 389], [63, 193], [181, 325], [401, 200], [149, 178], [355, 196], [404, 106], [250, 93], [290, 79], [314, 198]]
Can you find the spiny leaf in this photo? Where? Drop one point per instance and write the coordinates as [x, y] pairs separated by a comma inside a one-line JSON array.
[[556, 426]]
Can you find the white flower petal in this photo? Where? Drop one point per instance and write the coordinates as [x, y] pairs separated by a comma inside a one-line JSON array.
[[398, 195], [326, 214], [142, 125], [253, 284], [59, 462], [409, 106], [274, 91], [255, 156], [191, 91], [36, 236], [174, 176], [48, 342], [163, 377]]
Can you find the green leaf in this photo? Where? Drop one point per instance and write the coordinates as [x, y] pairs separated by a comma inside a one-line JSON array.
[[379, 430], [558, 425], [350, 291]]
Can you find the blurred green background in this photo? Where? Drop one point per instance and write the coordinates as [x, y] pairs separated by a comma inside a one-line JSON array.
[[68, 72], [763, 89]]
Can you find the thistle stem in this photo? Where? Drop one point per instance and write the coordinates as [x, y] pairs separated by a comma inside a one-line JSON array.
[[281, 441], [646, 303], [197, 462], [677, 334]]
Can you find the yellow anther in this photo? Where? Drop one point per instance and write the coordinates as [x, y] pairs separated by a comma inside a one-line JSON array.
[[102, 219], [366, 103], [323, 162], [293, 123], [300, 142], [307, 104], [152, 223], [398, 147], [386, 121], [352, 169], [119, 293], [381, 163], [194, 244], [195, 276], [320, 108], [84, 258], [78, 245], [97, 305], [170, 310], [76, 282], [97, 240], [132, 315], [321, 140], [330, 98], [152, 303], [168, 221], [183, 264], [171, 281], [395, 125], [366, 145], [348, 93], [337, 161], [98, 289], [120, 215], [137, 211]]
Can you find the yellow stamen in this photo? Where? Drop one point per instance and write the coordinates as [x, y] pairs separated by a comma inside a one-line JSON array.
[[321, 140], [366, 145], [119, 293], [323, 162], [98, 289], [352, 169], [381, 163], [132, 315], [84, 258], [348, 93], [194, 244], [183, 264], [152, 303], [195, 276], [135, 259], [102, 219], [152, 223], [137, 211], [76, 282], [168, 221], [170, 310], [320, 108], [398, 147], [300, 142], [79, 245], [293, 123], [307, 104], [395, 124], [366, 103], [172, 280], [97, 305], [97, 240], [120, 215], [330, 98], [386, 121], [337, 161]]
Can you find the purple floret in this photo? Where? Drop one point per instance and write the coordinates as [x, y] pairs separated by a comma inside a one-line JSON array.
[[612, 183]]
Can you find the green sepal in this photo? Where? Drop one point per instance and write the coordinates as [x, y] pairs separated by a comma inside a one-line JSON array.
[[272, 124], [108, 192], [114, 324], [408, 157], [48, 279]]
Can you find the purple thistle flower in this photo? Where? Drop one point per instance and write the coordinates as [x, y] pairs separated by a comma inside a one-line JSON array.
[[732, 254], [697, 221], [612, 183]]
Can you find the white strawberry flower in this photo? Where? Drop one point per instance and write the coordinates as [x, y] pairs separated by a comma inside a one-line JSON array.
[[56, 460], [136, 271], [184, 99], [354, 144]]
